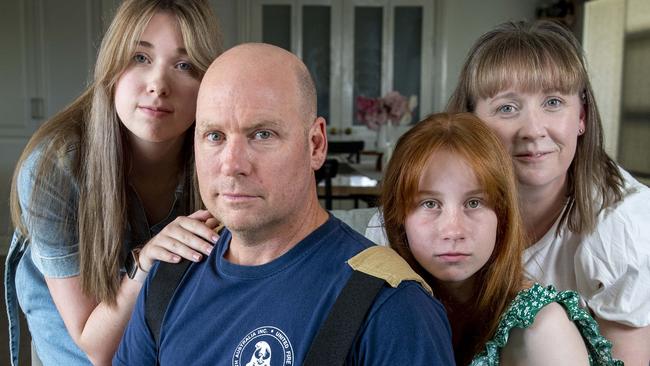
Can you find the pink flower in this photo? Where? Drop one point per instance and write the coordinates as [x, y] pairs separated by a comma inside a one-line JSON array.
[[397, 106], [371, 112], [374, 112]]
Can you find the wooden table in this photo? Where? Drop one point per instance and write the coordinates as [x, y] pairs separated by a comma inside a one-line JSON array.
[[355, 182]]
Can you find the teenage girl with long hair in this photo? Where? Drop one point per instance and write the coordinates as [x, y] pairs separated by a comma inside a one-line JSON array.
[[111, 178]]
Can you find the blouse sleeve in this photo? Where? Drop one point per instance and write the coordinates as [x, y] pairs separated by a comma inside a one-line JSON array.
[[51, 217], [375, 230], [357, 218], [613, 263]]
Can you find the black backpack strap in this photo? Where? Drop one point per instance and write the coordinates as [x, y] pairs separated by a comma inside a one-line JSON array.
[[162, 286], [337, 334]]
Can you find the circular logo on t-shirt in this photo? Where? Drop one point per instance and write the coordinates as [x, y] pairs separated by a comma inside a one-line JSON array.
[[264, 346]]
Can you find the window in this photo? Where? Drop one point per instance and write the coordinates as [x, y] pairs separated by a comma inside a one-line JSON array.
[[352, 48]]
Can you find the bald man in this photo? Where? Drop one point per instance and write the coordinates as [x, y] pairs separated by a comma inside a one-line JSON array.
[[275, 272]]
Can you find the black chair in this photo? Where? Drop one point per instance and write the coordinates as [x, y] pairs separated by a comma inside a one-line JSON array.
[[327, 172], [352, 148]]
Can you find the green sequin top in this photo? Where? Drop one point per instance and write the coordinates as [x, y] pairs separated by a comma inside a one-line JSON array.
[[522, 313]]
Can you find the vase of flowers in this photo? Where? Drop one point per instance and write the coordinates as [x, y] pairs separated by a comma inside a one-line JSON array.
[[383, 115]]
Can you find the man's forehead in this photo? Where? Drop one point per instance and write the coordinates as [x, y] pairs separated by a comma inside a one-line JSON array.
[[252, 99], [240, 100], [244, 114], [267, 78], [258, 89]]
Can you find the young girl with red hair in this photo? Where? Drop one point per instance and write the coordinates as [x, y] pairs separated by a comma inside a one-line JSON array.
[[450, 209]]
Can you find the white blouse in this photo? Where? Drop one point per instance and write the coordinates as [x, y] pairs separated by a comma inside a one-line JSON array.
[[609, 267]]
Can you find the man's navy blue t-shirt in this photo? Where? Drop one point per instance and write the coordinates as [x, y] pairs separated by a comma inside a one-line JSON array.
[[227, 314]]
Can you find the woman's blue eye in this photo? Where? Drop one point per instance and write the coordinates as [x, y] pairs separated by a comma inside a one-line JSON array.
[[554, 102], [506, 108], [139, 58], [263, 135], [185, 66]]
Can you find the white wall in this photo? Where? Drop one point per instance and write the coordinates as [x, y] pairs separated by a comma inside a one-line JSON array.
[[48, 49], [603, 41], [226, 11], [460, 24], [638, 16]]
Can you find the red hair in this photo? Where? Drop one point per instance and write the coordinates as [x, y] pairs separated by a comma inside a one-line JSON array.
[[499, 280]]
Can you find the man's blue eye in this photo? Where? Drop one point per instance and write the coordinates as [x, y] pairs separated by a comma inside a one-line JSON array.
[[263, 135], [214, 136]]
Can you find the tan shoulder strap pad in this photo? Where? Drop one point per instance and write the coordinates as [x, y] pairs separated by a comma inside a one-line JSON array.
[[385, 263]]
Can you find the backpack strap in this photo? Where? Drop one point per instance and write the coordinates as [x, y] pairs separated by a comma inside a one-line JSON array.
[[337, 334], [162, 286], [385, 263], [373, 267]]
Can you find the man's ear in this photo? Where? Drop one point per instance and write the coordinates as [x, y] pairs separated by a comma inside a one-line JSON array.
[[318, 143]]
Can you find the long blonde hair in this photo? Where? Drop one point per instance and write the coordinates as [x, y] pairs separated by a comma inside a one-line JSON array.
[[499, 280], [543, 56], [91, 124]]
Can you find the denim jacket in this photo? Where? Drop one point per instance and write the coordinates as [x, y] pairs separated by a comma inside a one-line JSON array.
[[52, 251]]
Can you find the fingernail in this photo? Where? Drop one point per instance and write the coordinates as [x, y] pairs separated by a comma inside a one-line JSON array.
[[176, 258], [214, 239], [197, 257], [208, 250]]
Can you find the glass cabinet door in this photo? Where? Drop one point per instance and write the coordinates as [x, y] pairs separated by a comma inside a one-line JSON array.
[[276, 25], [367, 55], [354, 48], [317, 51], [407, 53]]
